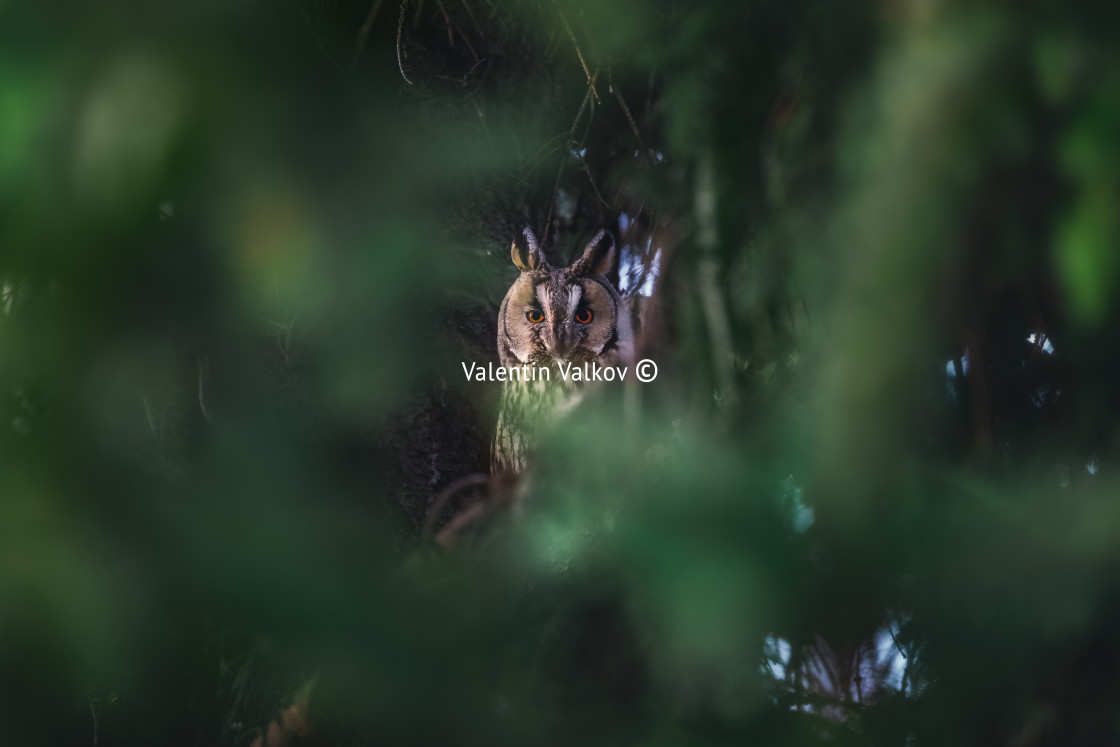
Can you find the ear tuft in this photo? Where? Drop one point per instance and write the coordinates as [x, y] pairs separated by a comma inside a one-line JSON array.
[[599, 256], [526, 253]]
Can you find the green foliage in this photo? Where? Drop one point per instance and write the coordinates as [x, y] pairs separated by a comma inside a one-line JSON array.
[[869, 499]]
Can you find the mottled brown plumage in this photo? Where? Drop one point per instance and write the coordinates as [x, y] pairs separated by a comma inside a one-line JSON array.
[[553, 316]]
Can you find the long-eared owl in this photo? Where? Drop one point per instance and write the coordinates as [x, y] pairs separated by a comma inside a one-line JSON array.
[[552, 318]]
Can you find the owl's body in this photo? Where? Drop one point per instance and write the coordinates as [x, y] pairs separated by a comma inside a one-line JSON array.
[[550, 317]]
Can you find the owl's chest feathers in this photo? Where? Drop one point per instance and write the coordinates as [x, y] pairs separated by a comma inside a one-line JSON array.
[[526, 409], [530, 407]]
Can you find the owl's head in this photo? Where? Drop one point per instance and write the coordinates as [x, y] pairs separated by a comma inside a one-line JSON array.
[[569, 314]]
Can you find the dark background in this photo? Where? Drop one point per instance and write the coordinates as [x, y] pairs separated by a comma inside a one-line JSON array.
[[245, 247]]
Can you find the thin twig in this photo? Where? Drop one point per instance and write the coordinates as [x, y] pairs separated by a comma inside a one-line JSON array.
[[318, 42], [550, 145], [363, 33], [897, 645], [626, 111], [446, 494], [93, 712], [203, 374], [462, 81], [447, 20], [151, 420], [467, 41], [579, 53], [552, 202], [550, 45], [623, 184], [481, 79], [590, 119], [587, 170], [400, 29], [473, 68], [559, 172], [474, 20], [537, 161], [446, 537]]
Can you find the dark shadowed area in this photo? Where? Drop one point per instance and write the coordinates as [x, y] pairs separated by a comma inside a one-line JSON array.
[[246, 249]]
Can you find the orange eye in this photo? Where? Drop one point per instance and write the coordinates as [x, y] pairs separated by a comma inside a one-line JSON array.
[[585, 316], [535, 317]]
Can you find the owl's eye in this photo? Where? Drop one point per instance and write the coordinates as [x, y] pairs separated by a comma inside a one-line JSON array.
[[535, 316], [585, 316]]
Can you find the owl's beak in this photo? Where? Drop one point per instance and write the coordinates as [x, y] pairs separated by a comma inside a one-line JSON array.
[[563, 342]]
